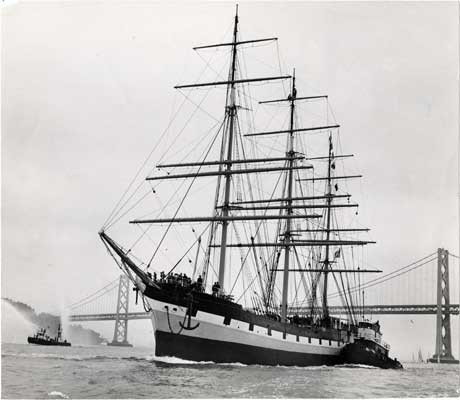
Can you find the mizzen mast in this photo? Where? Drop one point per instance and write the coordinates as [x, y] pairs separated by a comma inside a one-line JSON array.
[[328, 228]]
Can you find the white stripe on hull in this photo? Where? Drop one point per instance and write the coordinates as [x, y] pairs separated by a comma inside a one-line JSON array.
[[212, 327]]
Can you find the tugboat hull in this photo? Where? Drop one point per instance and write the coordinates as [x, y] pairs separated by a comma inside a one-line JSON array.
[[45, 342], [363, 352]]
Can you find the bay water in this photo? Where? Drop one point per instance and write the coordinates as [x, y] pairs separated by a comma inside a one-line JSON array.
[[30, 371]]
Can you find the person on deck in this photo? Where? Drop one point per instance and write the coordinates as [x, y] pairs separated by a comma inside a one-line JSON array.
[[199, 283], [214, 289]]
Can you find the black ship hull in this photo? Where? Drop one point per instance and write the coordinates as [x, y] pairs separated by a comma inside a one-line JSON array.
[[193, 325], [204, 328], [46, 342], [201, 349], [221, 331]]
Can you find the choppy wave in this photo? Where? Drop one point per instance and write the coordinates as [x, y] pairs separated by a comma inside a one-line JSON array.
[[114, 372], [172, 361], [45, 355], [179, 361], [74, 357], [149, 358]]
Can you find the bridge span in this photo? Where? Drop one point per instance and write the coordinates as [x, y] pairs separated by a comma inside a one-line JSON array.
[[417, 291], [452, 309]]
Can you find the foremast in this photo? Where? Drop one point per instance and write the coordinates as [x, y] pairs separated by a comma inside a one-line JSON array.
[[231, 112]]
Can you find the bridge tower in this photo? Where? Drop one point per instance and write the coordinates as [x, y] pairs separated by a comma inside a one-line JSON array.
[[443, 353], [120, 336]]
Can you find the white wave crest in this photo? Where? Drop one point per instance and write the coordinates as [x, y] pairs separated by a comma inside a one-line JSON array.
[[175, 360], [364, 366], [58, 395]]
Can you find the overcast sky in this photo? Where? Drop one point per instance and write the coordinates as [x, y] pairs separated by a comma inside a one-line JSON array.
[[87, 88]]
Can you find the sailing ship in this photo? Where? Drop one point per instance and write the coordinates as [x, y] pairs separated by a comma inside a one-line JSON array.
[[294, 246], [42, 338], [420, 356]]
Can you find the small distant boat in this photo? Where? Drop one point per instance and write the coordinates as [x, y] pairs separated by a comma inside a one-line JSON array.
[[42, 338], [420, 357]]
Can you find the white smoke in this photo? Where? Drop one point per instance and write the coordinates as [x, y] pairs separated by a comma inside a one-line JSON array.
[[15, 327], [64, 313]]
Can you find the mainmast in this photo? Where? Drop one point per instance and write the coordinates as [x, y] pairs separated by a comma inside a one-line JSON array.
[[231, 114], [287, 234], [328, 228]]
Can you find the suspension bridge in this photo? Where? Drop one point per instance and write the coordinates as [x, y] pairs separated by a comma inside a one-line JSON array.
[[421, 287]]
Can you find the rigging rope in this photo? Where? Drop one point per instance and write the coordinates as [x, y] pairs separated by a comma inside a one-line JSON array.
[[190, 248], [185, 196], [114, 211]]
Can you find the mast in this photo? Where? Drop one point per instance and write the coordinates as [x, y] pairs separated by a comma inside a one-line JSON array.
[[197, 255], [231, 113], [287, 234], [328, 229]]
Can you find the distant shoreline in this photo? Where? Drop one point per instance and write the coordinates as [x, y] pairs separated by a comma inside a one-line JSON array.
[[77, 334]]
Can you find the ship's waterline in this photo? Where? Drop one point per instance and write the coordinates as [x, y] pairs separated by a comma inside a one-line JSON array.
[[209, 339]]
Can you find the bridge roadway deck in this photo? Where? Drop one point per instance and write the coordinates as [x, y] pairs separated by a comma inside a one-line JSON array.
[[335, 310]]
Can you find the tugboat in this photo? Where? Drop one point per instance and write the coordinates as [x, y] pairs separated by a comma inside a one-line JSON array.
[[42, 338], [369, 348]]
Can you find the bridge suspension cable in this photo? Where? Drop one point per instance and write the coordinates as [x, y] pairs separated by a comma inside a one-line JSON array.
[[92, 297], [389, 276]]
